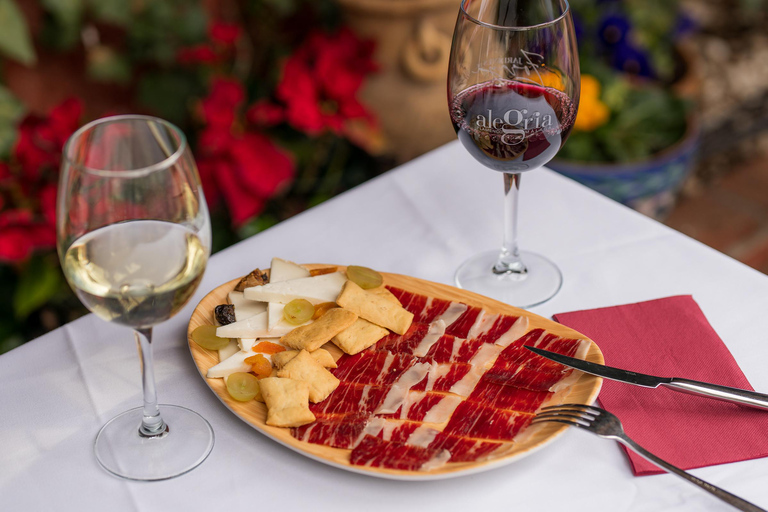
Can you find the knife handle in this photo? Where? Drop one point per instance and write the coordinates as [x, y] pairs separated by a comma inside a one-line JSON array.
[[725, 393]]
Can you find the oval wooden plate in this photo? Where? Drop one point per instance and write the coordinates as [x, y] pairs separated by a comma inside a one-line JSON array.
[[584, 390]]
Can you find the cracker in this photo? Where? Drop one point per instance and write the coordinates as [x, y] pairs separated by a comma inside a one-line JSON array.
[[305, 367], [320, 355], [359, 336], [312, 336], [382, 291], [287, 402], [374, 308]]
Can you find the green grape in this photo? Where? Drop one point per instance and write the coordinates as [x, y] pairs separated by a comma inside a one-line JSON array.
[[205, 336], [364, 277], [243, 386], [298, 311]]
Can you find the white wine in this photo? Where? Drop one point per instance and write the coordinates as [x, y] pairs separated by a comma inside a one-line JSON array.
[[136, 273]]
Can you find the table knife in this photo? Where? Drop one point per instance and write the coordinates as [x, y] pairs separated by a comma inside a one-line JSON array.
[[692, 387]]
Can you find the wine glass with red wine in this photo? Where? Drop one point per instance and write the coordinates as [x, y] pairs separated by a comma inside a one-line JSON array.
[[513, 93]]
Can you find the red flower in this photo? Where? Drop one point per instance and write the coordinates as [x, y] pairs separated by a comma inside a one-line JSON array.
[[243, 169], [264, 114], [198, 54], [219, 107], [41, 140], [224, 33], [20, 235], [321, 80]]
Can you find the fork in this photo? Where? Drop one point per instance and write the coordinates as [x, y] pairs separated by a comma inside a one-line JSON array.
[[607, 425]]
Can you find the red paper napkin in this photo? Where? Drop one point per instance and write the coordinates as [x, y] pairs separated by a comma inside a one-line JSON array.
[[670, 337]]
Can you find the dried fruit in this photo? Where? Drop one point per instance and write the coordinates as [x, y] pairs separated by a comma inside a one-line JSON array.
[[267, 347], [260, 365], [320, 309], [323, 270], [255, 278], [224, 313]]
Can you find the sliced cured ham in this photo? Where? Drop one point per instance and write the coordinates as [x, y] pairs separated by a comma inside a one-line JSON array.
[[463, 449], [428, 407], [335, 431], [352, 398], [458, 386], [492, 394], [373, 367], [478, 421], [375, 452]]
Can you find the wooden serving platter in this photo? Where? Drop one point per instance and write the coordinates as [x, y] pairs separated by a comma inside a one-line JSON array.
[[254, 413]]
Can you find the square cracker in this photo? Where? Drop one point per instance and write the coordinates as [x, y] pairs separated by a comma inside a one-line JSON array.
[[304, 367], [359, 336], [287, 402], [374, 308], [320, 355], [382, 291], [310, 337]]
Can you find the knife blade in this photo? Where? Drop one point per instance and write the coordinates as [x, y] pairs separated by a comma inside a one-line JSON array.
[[692, 387]]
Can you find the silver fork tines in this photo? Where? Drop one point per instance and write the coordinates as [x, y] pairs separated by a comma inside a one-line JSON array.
[[607, 425]]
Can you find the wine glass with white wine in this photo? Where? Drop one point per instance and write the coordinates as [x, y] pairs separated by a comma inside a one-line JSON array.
[[134, 236]]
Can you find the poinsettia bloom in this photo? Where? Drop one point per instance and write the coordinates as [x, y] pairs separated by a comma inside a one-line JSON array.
[[220, 105], [321, 79], [48, 203], [5, 172], [224, 33], [264, 114], [41, 139], [246, 174], [198, 54], [20, 235]]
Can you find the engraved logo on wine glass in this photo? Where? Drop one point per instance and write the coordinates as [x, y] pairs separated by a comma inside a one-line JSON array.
[[514, 125], [525, 65]]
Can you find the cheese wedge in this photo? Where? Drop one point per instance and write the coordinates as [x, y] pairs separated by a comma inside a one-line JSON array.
[[316, 289], [234, 363], [245, 308], [280, 271], [254, 327], [231, 348]]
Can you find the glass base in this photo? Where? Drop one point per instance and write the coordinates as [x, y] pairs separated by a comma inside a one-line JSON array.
[[542, 281], [185, 445]]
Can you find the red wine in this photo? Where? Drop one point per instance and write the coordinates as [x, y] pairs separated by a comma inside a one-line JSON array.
[[512, 126]]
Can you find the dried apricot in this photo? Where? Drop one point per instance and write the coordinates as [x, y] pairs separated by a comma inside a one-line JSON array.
[[321, 308], [267, 347], [260, 366]]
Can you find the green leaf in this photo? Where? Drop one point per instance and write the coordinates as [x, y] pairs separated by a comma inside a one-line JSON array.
[[39, 282], [15, 40], [105, 65], [117, 12], [67, 15]]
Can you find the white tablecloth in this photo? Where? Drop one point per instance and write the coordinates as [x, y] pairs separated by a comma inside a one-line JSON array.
[[422, 219]]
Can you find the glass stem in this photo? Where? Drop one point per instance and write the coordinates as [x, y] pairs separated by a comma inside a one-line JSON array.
[[509, 259], [152, 424]]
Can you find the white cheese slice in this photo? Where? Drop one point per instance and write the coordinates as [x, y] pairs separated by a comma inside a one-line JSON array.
[[231, 348], [234, 363], [245, 308], [316, 289], [246, 343], [254, 327], [280, 271]]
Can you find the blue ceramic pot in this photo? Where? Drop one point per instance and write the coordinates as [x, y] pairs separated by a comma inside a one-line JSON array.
[[649, 186]]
